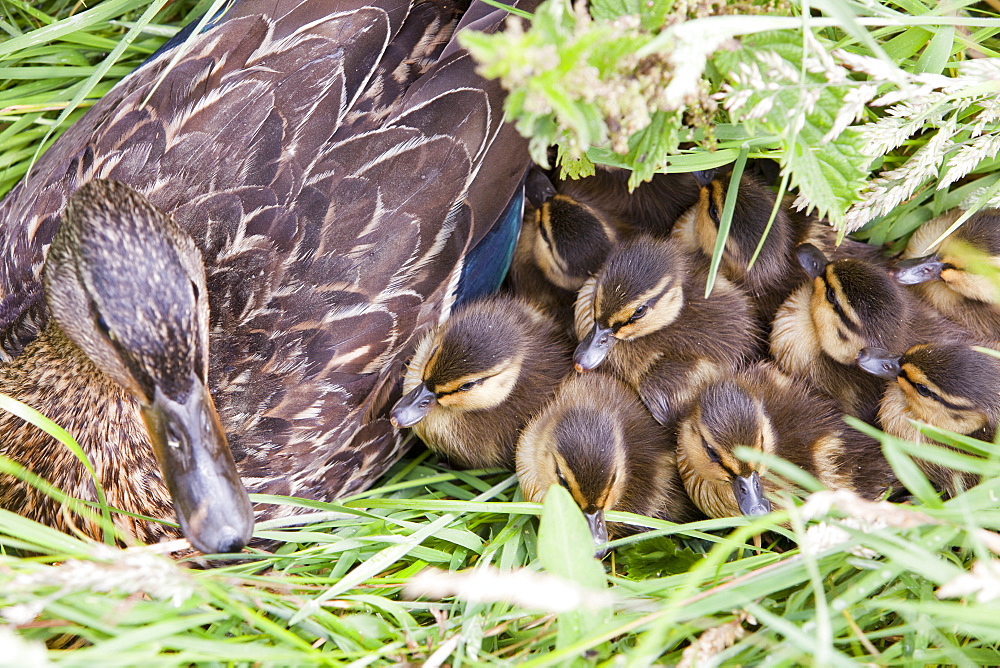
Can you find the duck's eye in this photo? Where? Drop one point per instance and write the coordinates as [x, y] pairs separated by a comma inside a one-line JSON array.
[[713, 211], [562, 479], [102, 325], [545, 235], [639, 312], [831, 296], [465, 387], [712, 454], [922, 390]]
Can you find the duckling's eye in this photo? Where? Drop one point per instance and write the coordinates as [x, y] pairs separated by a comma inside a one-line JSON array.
[[102, 325], [922, 390], [831, 296], [713, 211], [545, 235], [465, 387], [639, 312], [562, 479], [712, 454]]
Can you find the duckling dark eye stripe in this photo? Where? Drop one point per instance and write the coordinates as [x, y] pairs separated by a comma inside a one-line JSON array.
[[835, 304], [934, 395], [473, 383]]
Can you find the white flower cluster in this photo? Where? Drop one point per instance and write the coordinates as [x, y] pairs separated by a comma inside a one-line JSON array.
[[938, 104]]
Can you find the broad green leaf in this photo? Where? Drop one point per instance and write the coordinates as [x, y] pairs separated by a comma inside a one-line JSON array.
[[938, 51], [566, 549]]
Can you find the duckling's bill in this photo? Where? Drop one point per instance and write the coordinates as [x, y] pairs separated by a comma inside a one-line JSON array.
[[413, 407], [879, 362], [750, 495], [918, 270], [594, 348], [598, 529], [212, 504]]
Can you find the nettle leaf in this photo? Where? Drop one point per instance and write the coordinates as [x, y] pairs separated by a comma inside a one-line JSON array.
[[649, 147], [799, 105], [656, 558], [651, 13]]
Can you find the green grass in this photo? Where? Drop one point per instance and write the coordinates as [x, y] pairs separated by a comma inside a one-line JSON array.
[[334, 591]]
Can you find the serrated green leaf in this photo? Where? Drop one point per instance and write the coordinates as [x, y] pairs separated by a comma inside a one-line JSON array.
[[655, 558], [829, 175]]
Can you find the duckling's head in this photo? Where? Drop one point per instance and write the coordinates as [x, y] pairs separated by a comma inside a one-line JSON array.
[[127, 286], [637, 292], [854, 303], [751, 214], [581, 447], [571, 242], [724, 418], [966, 263], [470, 363], [949, 385]]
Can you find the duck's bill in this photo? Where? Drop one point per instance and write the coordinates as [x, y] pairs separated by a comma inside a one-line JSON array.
[[594, 348], [413, 407], [878, 362], [750, 495], [599, 531], [918, 270], [212, 504]]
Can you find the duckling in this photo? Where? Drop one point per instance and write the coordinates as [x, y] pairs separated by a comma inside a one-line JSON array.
[[562, 243], [764, 409], [948, 281], [950, 386], [646, 314], [599, 442], [775, 273], [476, 380], [652, 207], [849, 304]]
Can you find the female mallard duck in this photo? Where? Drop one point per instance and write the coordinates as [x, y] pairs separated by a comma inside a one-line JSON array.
[[645, 317], [765, 410], [599, 442], [848, 305], [950, 386], [320, 155], [477, 379], [949, 280]]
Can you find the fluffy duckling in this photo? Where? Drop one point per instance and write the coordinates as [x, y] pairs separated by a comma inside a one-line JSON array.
[[476, 380], [599, 442], [947, 385], [652, 207], [775, 273], [848, 305], [764, 409], [562, 243], [948, 279], [644, 316]]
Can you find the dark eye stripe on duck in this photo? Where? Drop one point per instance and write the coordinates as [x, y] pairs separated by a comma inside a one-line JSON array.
[[647, 300], [716, 197], [834, 295], [462, 385], [931, 394]]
